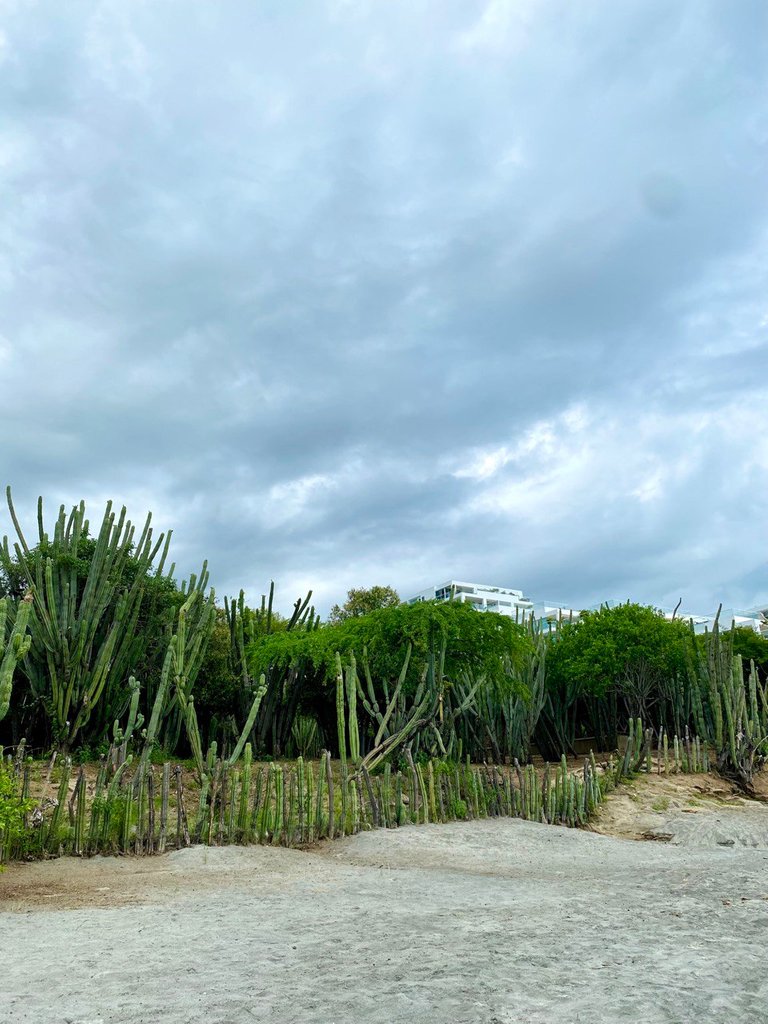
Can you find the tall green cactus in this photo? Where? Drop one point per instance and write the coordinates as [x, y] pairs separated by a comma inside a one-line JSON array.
[[354, 733], [158, 709], [14, 650], [259, 696], [341, 724], [745, 713], [185, 652], [135, 718], [84, 632]]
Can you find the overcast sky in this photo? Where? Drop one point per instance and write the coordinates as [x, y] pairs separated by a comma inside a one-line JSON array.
[[395, 292]]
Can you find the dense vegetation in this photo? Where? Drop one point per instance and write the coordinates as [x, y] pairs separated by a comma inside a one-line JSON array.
[[102, 649]]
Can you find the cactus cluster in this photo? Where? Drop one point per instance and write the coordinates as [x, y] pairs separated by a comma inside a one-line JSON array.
[[293, 804], [83, 635]]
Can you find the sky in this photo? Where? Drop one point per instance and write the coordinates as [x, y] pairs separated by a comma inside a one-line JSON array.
[[353, 293]]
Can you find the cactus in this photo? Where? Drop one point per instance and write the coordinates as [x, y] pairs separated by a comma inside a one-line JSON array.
[[331, 807], [340, 717], [745, 731], [183, 658], [15, 649], [112, 798], [52, 834], [399, 724], [158, 708], [84, 638], [284, 681], [432, 803], [352, 686], [127, 819], [141, 793], [243, 816], [122, 737], [262, 689], [182, 829], [319, 794], [165, 789], [399, 803]]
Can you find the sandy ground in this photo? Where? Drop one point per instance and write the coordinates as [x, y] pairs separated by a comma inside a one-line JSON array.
[[489, 922], [687, 810]]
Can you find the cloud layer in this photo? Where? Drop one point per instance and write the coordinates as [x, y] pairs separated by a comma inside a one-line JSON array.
[[354, 293]]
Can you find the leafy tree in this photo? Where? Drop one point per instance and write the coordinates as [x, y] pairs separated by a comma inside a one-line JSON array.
[[475, 641], [629, 646], [626, 655], [752, 647], [363, 601], [217, 686]]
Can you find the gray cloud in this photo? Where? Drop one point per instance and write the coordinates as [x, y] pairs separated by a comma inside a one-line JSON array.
[[353, 293]]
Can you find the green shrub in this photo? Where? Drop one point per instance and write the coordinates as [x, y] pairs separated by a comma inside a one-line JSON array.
[[12, 809], [459, 808]]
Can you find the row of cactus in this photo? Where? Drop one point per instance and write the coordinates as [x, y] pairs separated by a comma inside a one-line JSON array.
[[142, 809]]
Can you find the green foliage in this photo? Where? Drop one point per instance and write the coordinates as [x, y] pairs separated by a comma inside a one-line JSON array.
[[363, 601], [217, 687], [611, 665], [87, 753], [459, 809], [306, 737], [475, 642], [630, 647], [752, 647], [13, 808]]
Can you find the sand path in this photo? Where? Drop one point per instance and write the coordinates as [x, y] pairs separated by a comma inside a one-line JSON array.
[[488, 922]]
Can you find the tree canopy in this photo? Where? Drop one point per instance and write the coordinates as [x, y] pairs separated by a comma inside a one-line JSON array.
[[363, 601], [476, 642], [630, 647]]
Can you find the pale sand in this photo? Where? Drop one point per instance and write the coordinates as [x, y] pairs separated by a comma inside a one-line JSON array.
[[490, 922]]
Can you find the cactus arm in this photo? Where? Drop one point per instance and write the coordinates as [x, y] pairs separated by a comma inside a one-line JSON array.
[[340, 721], [393, 702], [15, 650], [353, 683], [251, 719]]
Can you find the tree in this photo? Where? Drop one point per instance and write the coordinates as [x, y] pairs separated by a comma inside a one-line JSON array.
[[629, 652], [363, 601], [752, 647]]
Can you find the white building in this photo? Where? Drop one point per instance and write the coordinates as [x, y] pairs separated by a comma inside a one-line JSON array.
[[480, 595], [503, 600], [506, 601], [755, 619]]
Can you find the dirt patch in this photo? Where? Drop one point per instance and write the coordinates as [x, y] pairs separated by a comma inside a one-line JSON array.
[[69, 883], [694, 810]]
